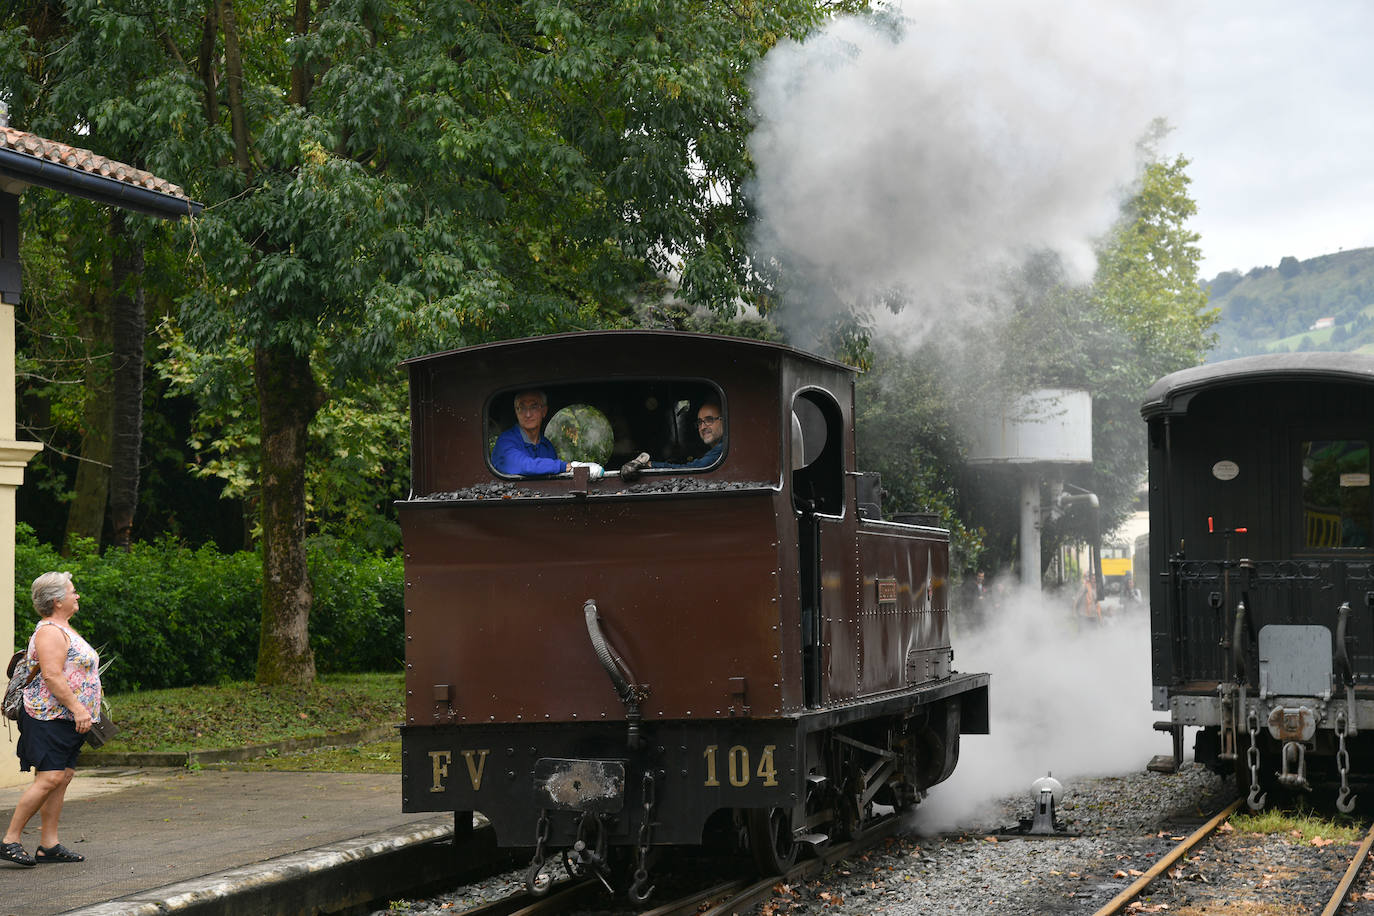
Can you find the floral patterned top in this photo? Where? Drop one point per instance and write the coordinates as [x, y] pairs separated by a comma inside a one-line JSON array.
[[82, 669]]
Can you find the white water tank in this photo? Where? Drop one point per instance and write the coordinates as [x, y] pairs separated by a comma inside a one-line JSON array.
[[1049, 426]]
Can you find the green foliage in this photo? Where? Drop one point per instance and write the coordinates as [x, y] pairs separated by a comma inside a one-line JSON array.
[[356, 449], [165, 614], [1143, 316], [1275, 309], [396, 178], [171, 616], [357, 623], [905, 429]]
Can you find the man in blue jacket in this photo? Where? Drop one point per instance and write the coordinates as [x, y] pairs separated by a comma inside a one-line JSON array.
[[523, 449]]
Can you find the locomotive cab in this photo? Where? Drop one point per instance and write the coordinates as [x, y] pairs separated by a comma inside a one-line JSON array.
[[1262, 581], [715, 641]]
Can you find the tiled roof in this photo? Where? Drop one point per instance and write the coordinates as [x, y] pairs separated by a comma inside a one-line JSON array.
[[83, 159]]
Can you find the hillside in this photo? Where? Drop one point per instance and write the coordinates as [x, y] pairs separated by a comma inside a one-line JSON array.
[[1324, 303]]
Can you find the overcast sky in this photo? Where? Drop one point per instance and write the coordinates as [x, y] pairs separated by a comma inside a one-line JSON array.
[[919, 164], [1275, 110]]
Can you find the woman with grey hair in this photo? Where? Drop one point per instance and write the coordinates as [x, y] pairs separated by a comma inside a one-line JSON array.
[[59, 707]]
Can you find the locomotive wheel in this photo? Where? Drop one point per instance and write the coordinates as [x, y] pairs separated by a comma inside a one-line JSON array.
[[770, 840]]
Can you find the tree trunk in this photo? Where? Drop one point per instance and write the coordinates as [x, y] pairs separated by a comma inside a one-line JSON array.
[[287, 402], [127, 369], [300, 74], [86, 514], [233, 75]]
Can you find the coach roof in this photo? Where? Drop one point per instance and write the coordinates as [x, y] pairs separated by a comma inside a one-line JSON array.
[[639, 338], [1172, 394]]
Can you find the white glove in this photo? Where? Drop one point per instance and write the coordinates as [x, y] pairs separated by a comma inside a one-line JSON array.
[[596, 470]]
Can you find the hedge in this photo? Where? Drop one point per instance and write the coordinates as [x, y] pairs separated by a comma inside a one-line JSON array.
[[169, 616]]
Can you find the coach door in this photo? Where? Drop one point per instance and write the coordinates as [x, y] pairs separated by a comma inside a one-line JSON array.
[[818, 499]]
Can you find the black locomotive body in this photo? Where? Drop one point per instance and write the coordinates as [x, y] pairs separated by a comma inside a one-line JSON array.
[[740, 650], [1262, 576]]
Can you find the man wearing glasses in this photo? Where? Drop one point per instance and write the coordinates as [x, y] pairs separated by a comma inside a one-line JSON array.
[[711, 429], [523, 449]]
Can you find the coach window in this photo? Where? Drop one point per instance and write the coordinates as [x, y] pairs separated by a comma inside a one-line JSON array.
[[1336, 508], [817, 453], [610, 422]]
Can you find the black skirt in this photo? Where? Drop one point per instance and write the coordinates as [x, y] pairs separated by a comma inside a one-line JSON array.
[[47, 744]]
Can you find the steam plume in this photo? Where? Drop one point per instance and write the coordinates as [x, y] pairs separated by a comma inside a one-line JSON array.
[[1067, 697], [908, 163]]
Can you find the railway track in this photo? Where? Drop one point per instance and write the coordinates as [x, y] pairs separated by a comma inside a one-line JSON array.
[[719, 899], [1339, 893]]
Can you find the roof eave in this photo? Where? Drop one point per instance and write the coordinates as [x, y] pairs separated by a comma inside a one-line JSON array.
[[30, 170]]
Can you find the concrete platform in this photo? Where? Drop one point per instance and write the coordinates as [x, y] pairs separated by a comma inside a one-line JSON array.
[[197, 842]]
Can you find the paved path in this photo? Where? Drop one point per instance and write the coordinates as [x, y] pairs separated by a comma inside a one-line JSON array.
[[142, 829]]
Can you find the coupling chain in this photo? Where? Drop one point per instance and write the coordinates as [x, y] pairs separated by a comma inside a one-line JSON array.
[[532, 875], [1345, 802], [638, 892], [1255, 800]]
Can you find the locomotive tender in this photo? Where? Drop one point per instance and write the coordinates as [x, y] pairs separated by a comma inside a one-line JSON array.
[[744, 651], [1262, 588]]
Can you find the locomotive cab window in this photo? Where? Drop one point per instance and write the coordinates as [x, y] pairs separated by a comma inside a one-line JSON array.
[[817, 457], [1336, 507], [538, 429]]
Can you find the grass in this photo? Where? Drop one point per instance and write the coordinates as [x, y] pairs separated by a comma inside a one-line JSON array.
[[238, 714], [1300, 826], [374, 757]]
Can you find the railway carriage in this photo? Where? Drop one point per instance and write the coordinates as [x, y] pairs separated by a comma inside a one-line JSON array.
[[744, 652], [1262, 576]]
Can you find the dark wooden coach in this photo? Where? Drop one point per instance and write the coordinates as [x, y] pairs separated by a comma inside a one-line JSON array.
[[1262, 573], [745, 646]]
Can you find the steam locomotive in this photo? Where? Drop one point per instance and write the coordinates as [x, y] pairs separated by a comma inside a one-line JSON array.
[[742, 654], [1262, 577]]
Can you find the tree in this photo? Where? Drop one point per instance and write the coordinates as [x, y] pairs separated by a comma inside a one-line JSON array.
[[907, 428], [1146, 315], [1143, 316], [68, 93], [384, 178]]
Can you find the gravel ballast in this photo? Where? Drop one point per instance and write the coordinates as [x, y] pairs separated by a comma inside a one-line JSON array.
[[1121, 823]]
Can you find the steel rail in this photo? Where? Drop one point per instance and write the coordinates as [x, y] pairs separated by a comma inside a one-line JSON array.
[[560, 895], [1343, 888], [761, 890], [702, 901], [1120, 900], [722, 899]]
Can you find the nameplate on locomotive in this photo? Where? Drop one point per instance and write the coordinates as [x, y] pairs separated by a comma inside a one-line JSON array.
[[887, 591]]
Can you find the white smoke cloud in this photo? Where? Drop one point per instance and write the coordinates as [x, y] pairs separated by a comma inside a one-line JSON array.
[[1067, 697], [925, 158]]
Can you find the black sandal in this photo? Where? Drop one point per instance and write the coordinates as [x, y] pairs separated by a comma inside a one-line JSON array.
[[58, 853], [14, 852]]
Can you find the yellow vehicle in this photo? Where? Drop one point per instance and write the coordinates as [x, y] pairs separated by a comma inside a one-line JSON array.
[[1116, 568]]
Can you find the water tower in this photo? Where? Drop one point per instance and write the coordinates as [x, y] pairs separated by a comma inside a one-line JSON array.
[[1036, 439]]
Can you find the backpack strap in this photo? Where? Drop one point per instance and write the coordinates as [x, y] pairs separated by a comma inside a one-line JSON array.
[[45, 622]]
